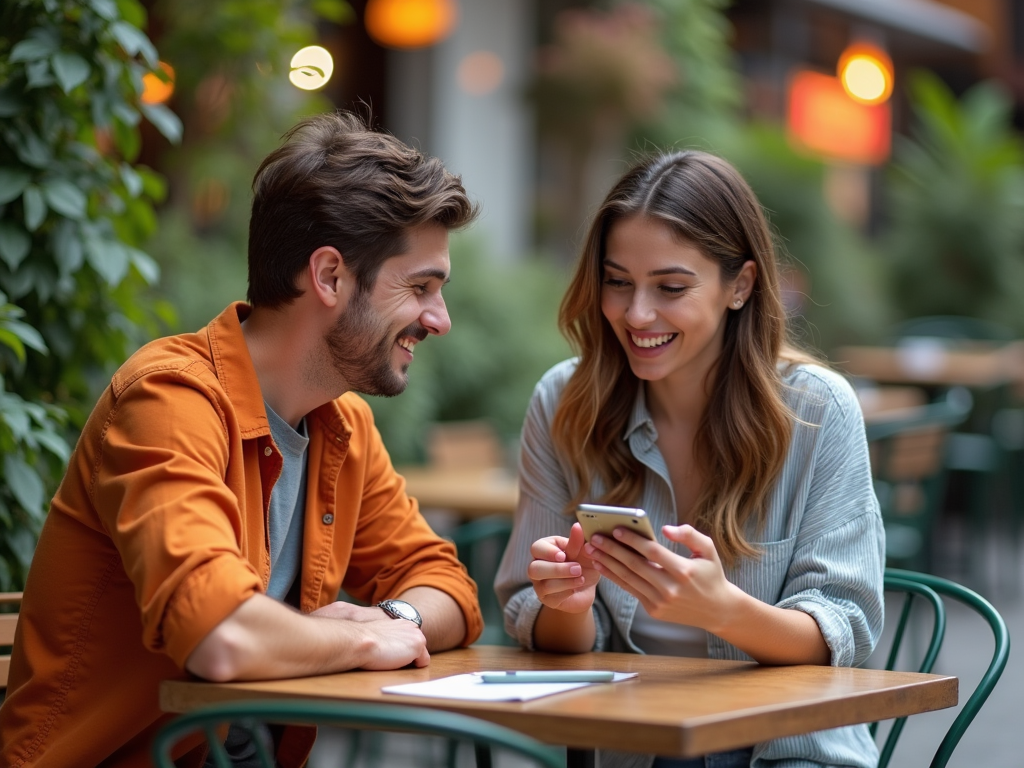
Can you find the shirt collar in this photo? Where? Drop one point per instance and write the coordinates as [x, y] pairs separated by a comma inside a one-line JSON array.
[[640, 416]]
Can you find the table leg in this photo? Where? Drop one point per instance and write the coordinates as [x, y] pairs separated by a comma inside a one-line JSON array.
[[580, 758]]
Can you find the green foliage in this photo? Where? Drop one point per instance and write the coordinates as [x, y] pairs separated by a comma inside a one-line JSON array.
[[956, 202], [504, 336], [833, 278], [706, 98], [231, 62], [74, 211]]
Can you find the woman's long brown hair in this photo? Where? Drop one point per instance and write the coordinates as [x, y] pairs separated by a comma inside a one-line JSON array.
[[744, 433]]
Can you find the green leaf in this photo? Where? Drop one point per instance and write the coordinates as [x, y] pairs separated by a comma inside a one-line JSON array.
[[39, 75], [12, 183], [108, 257], [39, 43], [106, 9], [168, 123], [24, 483], [65, 198], [13, 343], [143, 262], [132, 180], [134, 41], [70, 69], [33, 151], [54, 443], [67, 248], [35, 208], [28, 335], [14, 244]]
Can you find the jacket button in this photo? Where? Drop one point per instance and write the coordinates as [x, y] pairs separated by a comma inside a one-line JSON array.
[[328, 518], [268, 451]]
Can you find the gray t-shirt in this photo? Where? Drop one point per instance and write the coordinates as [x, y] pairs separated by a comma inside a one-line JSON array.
[[287, 505]]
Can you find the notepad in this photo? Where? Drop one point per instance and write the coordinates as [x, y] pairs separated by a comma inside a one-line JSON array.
[[470, 687]]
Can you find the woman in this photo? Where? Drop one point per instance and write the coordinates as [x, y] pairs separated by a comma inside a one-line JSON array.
[[750, 459]]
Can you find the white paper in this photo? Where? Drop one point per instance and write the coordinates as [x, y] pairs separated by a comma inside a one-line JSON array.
[[470, 687]]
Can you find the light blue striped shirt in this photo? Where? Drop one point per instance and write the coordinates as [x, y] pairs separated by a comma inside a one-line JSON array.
[[822, 542]]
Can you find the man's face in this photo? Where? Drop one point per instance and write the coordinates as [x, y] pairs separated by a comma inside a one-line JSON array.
[[371, 344]]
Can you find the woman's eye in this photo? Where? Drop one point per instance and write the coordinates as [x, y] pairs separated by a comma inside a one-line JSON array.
[[615, 282], [673, 290]]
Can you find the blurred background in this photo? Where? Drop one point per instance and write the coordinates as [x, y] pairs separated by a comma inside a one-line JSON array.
[[883, 138]]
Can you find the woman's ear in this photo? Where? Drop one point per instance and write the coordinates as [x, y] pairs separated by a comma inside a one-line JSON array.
[[743, 285], [330, 280]]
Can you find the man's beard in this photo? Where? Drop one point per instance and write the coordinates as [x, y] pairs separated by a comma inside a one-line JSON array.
[[362, 345]]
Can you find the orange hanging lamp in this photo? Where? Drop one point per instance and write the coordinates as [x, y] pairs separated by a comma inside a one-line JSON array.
[[410, 23]]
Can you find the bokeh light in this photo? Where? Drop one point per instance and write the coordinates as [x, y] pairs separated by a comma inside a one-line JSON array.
[[311, 68], [154, 89], [480, 73], [410, 23], [866, 73]]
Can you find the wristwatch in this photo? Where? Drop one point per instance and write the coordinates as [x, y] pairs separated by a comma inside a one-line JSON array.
[[399, 609]]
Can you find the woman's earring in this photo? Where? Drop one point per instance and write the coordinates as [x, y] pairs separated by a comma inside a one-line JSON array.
[[738, 303]]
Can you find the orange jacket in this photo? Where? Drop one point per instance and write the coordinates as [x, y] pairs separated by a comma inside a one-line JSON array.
[[159, 531]]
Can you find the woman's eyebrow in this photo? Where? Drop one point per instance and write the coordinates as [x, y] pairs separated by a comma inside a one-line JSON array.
[[656, 272]]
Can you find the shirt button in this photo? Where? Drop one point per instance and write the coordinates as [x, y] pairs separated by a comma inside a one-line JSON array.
[[268, 451], [328, 518]]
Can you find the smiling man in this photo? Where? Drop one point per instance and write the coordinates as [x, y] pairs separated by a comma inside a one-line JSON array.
[[229, 483]]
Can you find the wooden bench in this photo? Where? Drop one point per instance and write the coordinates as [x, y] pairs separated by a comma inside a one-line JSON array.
[[8, 623]]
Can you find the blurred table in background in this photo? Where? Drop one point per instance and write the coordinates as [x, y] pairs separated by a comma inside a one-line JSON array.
[[469, 493], [931, 362]]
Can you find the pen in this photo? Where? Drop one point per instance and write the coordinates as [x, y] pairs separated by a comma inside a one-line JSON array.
[[549, 676]]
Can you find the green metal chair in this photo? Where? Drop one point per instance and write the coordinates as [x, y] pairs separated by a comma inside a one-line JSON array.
[[480, 544], [908, 466], [932, 590], [252, 715]]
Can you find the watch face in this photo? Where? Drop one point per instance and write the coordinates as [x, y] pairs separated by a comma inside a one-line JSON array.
[[402, 610]]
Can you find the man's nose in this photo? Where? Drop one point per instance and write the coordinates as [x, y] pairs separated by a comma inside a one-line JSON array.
[[435, 318]]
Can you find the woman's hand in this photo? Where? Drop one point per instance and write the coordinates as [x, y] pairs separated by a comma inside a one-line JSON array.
[[563, 575], [672, 588]]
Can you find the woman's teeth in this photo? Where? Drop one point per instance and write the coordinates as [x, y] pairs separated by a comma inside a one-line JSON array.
[[652, 341]]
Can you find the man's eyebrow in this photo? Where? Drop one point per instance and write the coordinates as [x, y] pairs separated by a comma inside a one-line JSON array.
[[656, 272], [438, 274]]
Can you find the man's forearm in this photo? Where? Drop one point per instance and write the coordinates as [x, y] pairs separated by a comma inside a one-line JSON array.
[[265, 639], [443, 623]]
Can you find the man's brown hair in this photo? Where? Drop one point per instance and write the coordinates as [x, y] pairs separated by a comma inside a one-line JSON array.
[[336, 182]]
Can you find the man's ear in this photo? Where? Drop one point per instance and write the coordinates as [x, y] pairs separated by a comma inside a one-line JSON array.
[[330, 280]]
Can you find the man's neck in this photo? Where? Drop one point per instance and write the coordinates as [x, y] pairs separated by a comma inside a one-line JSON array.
[[280, 344]]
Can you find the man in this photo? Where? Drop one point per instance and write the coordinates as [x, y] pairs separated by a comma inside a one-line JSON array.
[[230, 482]]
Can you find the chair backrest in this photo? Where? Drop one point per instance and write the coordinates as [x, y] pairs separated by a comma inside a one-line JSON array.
[[480, 544], [473, 444], [908, 452], [8, 624], [932, 589], [251, 715]]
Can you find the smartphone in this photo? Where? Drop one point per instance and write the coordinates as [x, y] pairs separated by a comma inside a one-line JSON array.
[[549, 676], [599, 518]]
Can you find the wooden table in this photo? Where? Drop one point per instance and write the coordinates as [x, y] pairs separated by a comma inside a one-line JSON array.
[[930, 363], [677, 707], [467, 492]]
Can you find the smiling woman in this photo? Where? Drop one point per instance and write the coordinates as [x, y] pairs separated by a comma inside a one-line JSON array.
[[748, 456]]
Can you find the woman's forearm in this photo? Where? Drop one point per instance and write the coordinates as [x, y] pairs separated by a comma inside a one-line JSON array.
[[772, 635]]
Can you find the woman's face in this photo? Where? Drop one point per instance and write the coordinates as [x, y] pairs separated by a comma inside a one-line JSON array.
[[666, 301]]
